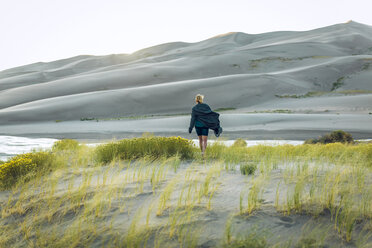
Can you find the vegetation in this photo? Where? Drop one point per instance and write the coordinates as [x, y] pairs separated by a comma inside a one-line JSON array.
[[335, 136], [308, 94], [146, 146], [139, 193], [339, 82], [248, 168], [240, 143], [250, 240], [65, 145], [88, 119], [23, 167], [328, 93]]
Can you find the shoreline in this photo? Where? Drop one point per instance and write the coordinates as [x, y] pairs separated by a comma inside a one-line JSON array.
[[245, 126]]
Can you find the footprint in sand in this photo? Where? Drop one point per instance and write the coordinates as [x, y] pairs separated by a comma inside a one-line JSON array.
[[286, 221]]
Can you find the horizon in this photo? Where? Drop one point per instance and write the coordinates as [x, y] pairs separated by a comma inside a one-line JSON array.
[[218, 35], [41, 31]]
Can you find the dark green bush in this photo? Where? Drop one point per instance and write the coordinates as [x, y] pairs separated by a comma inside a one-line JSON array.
[[21, 167], [248, 169], [65, 145], [335, 136], [146, 146]]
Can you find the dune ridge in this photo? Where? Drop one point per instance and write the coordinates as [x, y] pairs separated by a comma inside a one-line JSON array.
[[242, 72]]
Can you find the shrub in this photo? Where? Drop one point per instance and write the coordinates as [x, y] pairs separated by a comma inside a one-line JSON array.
[[22, 165], [145, 146], [65, 145], [335, 136], [240, 143], [248, 169]]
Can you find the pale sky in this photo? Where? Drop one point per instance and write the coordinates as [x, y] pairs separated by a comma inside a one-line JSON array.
[[46, 30]]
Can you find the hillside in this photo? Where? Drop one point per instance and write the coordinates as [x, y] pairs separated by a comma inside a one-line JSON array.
[[323, 71]]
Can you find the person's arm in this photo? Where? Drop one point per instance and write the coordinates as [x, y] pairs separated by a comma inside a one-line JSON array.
[[192, 121]]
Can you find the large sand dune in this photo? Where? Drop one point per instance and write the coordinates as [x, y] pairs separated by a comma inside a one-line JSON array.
[[243, 72]]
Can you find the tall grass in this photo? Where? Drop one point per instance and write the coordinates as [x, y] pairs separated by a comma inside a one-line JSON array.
[[335, 153], [145, 146], [75, 204]]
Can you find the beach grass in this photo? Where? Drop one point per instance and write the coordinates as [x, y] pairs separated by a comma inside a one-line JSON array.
[[117, 196]]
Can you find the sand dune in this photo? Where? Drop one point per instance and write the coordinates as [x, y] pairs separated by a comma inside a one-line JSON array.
[[240, 71]]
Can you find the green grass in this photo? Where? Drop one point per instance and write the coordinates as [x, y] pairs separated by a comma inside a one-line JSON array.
[[81, 201], [248, 168], [146, 146], [240, 143], [65, 145], [336, 153]]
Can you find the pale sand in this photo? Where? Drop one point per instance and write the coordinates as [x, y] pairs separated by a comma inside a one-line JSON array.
[[240, 71], [210, 225], [249, 126]]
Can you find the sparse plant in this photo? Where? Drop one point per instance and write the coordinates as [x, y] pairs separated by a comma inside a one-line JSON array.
[[248, 168], [240, 143], [335, 136], [65, 145]]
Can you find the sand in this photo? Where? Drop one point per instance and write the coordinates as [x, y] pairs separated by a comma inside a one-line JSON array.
[[209, 216], [242, 72], [248, 126]]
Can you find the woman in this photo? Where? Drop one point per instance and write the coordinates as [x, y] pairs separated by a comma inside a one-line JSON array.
[[203, 118]]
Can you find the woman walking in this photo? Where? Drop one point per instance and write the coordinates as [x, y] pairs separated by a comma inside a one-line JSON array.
[[203, 118]]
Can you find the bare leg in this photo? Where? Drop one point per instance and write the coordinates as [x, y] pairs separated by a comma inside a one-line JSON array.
[[205, 140], [201, 143]]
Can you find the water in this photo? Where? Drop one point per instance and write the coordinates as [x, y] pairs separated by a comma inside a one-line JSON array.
[[257, 142], [11, 146]]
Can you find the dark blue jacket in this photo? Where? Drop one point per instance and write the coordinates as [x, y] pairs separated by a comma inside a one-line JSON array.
[[203, 113]]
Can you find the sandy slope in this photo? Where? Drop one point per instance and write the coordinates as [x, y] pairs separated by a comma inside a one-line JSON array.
[[236, 70]]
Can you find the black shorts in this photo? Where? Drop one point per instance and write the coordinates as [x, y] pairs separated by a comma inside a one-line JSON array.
[[202, 131]]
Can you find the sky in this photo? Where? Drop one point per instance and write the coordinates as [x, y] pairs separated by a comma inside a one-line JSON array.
[[46, 30]]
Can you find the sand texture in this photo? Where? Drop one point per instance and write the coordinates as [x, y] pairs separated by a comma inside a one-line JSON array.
[[320, 79]]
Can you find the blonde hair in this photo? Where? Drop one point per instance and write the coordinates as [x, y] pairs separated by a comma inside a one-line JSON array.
[[199, 98]]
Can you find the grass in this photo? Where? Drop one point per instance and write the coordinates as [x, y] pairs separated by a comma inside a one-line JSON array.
[[248, 168], [333, 92], [145, 146], [240, 143], [23, 167], [78, 200], [333, 137], [308, 94]]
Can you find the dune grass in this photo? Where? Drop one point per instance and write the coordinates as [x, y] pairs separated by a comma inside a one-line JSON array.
[[145, 146], [23, 167], [115, 195]]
